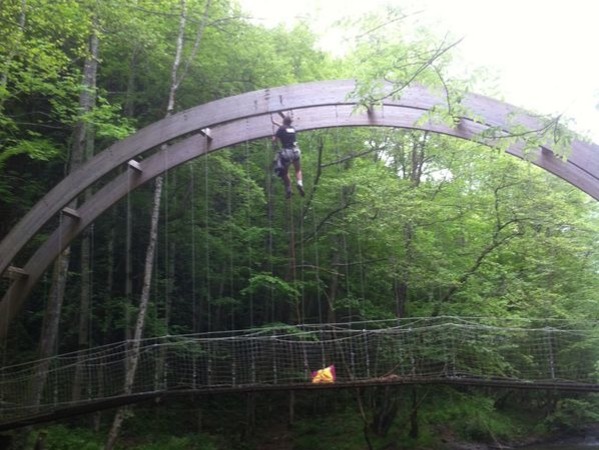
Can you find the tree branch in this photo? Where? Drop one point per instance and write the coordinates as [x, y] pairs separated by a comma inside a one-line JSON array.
[[436, 55], [347, 158], [196, 44]]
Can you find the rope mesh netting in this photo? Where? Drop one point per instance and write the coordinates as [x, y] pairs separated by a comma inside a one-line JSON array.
[[403, 349]]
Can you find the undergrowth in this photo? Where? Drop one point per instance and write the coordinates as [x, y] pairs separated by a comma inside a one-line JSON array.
[[427, 417]]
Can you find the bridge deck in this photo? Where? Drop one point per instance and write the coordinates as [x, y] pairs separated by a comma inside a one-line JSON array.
[[86, 407]]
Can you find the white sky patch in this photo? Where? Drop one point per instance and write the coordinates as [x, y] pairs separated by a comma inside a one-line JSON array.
[[543, 53]]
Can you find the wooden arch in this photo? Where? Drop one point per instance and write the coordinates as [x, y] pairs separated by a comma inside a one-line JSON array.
[[245, 117]]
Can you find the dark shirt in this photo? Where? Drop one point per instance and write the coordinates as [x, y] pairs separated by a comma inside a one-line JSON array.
[[286, 135]]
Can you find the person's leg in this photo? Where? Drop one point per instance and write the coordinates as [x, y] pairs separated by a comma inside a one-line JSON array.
[[298, 176], [278, 165], [282, 170], [287, 183]]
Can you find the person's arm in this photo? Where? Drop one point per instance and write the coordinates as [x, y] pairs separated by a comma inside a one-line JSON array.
[[277, 125]]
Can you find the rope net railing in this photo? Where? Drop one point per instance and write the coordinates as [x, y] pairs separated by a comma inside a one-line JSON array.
[[407, 349]]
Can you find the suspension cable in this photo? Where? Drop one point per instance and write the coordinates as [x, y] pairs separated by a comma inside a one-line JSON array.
[[194, 306], [269, 203], [230, 234], [207, 244], [290, 221], [249, 234]]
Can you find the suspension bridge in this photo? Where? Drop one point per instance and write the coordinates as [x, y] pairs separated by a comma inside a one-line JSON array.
[[527, 354]]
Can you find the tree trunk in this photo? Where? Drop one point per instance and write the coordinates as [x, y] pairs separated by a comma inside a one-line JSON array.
[[141, 315], [111, 250], [334, 283], [129, 111], [81, 140], [128, 272], [84, 141], [84, 312], [250, 414], [291, 407], [401, 282], [345, 197], [149, 261], [385, 407], [414, 429], [11, 55], [50, 326], [418, 153], [129, 104], [161, 364]]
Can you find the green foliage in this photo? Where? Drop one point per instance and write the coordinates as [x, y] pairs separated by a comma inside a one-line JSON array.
[[36, 148], [193, 442], [40, 80], [548, 132], [571, 414], [64, 438], [107, 121], [263, 284], [330, 429], [472, 416], [60, 437], [388, 57]]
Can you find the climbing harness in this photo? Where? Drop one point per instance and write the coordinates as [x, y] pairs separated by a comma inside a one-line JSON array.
[[284, 158]]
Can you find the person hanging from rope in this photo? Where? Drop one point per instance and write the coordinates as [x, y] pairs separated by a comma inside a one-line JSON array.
[[288, 154]]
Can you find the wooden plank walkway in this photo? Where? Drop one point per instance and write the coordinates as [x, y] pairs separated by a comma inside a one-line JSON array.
[[87, 407]]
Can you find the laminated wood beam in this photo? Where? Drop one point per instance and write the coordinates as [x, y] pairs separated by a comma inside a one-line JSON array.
[[207, 132], [134, 165], [15, 273], [71, 213], [490, 112]]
